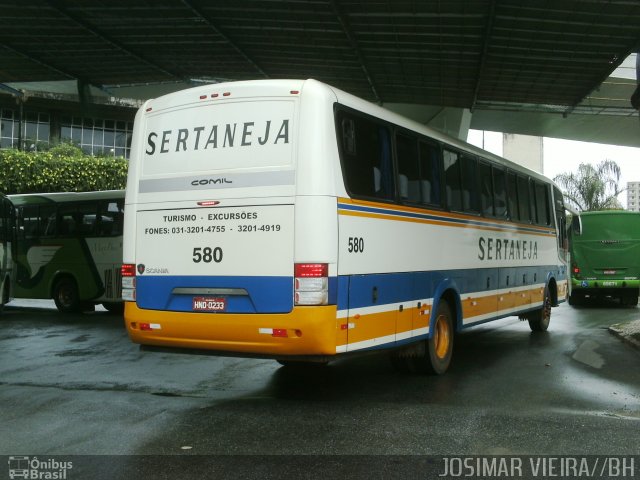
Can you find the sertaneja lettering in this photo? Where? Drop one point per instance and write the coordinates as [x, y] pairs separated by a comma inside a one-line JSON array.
[[504, 249], [207, 138]]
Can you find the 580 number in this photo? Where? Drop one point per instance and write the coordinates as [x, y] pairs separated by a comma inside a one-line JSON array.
[[356, 245], [207, 254]]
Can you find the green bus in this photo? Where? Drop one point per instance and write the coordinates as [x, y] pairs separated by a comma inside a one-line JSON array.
[[69, 248], [7, 243], [605, 256]]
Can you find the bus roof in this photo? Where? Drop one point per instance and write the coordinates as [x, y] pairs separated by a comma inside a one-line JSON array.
[[38, 198], [608, 213], [289, 87]]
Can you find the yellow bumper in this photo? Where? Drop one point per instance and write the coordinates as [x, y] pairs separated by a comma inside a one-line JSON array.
[[303, 331]]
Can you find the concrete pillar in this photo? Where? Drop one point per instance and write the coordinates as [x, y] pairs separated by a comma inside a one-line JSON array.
[[452, 121], [524, 150]]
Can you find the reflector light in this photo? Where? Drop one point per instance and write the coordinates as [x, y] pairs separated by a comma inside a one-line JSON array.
[[202, 97], [214, 95], [145, 326], [305, 270], [226, 94], [208, 203], [294, 92], [279, 332], [128, 270], [149, 109]]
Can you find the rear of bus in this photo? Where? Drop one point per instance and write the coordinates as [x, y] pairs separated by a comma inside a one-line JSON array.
[[605, 256], [230, 220]]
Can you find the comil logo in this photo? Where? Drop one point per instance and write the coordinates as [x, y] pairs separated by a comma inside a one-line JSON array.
[[36, 469]]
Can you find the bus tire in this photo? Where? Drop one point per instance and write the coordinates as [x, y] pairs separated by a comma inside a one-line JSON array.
[[539, 319], [66, 295], [439, 347]]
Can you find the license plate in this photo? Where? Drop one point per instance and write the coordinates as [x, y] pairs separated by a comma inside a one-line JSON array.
[[209, 304]]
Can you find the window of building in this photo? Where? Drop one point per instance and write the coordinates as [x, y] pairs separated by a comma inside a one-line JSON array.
[[97, 136], [36, 131], [8, 134]]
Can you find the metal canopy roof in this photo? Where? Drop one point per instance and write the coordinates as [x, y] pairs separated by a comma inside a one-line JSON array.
[[472, 54]]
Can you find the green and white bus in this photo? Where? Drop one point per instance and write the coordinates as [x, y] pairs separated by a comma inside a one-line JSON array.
[[7, 240], [605, 256], [69, 248]]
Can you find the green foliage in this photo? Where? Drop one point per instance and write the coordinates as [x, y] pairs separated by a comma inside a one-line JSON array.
[[592, 188], [63, 168]]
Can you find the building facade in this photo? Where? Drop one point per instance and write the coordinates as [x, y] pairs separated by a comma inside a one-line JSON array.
[[633, 196], [35, 120]]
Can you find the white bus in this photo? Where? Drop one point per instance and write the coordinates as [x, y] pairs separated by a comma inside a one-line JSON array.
[[291, 220], [69, 248]]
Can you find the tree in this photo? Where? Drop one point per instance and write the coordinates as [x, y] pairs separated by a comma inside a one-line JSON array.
[[592, 188]]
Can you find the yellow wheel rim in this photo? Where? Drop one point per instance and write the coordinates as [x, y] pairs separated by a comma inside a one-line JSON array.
[[442, 336]]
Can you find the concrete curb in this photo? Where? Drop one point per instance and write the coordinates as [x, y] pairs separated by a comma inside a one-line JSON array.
[[628, 332]]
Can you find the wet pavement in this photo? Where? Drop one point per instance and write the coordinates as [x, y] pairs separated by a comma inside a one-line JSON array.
[[75, 385]]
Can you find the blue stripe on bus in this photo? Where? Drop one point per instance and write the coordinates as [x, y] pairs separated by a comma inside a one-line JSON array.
[[443, 218], [265, 294], [357, 291]]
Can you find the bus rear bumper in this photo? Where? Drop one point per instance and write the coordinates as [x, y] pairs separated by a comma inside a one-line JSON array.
[[303, 331], [603, 286]]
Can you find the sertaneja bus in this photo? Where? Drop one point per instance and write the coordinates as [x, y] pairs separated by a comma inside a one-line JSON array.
[[291, 220], [69, 248]]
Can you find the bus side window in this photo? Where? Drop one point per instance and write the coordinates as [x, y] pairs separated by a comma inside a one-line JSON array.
[[523, 198], [429, 174], [453, 188], [408, 168], [512, 196], [500, 192], [533, 205], [542, 202], [87, 219], [67, 222], [110, 219], [46, 221], [365, 147], [470, 197], [486, 190]]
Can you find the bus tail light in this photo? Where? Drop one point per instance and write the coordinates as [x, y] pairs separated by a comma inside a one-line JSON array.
[[128, 272], [576, 269], [311, 283]]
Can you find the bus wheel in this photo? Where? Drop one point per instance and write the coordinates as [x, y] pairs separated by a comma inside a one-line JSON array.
[[437, 357], [66, 296], [539, 319]]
